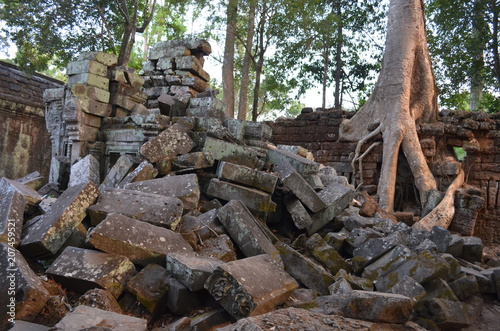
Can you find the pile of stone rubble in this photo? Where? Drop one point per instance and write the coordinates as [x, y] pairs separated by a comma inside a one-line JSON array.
[[213, 227]]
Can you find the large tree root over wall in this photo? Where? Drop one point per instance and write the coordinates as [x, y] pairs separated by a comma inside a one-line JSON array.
[[405, 95]]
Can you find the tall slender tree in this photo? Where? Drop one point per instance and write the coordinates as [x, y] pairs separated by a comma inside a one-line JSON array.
[[228, 61]]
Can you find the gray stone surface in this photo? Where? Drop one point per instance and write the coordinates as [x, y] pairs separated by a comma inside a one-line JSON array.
[[300, 216], [410, 288], [171, 142], [304, 269], [180, 300], [299, 187], [144, 171], [183, 187], [250, 286], [12, 206], [141, 242], [387, 263], [192, 161], [84, 317], [326, 254], [441, 237], [48, 235], [452, 315], [23, 294], [191, 270], [148, 207], [80, 270], [32, 197], [372, 249], [472, 249], [244, 229], [254, 199], [302, 165], [247, 176]]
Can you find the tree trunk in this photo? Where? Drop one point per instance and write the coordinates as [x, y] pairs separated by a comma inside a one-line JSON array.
[[325, 74], [259, 64], [404, 96], [496, 56], [228, 62], [127, 44], [245, 71], [338, 57]]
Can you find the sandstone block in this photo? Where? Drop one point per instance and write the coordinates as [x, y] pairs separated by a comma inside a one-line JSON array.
[[85, 170], [49, 234], [87, 67], [141, 242], [84, 317], [90, 79], [117, 172], [250, 286], [80, 270], [182, 187], [220, 247], [372, 249], [225, 151], [171, 142], [247, 176], [300, 216], [472, 249], [192, 161], [371, 306], [252, 198], [302, 165], [305, 270], [245, 230], [12, 206], [191, 270], [150, 286], [409, 288], [387, 263], [23, 294], [144, 171], [326, 254], [193, 65], [452, 315], [148, 207], [180, 300], [33, 198], [107, 59]]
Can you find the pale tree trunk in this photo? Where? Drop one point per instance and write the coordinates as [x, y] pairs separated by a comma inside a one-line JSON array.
[[404, 96], [326, 67], [245, 72], [259, 61], [228, 62], [338, 57]]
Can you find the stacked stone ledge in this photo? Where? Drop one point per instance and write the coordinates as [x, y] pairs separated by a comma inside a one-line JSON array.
[[207, 214]]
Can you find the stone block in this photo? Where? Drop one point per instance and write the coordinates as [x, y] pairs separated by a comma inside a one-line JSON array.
[[191, 270], [464, 286], [12, 206], [196, 83], [387, 263], [80, 270], [23, 294], [336, 239], [192, 161], [211, 320], [300, 215], [90, 79], [173, 105], [455, 246], [213, 127], [441, 237], [117, 172], [355, 221], [201, 227], [302, 165], [193, 65], [326, 254], [357, 283], [148, 207], [87, 67], [337, 198], [28, 326], [299, 187], [85, 170], [171, 142], [33, 180], [359, 236], [180, 300], [99, 298], [107, 59], [247, 176], [87, 92], [150, 286], [49, 234], [225, 151], [180, 324], [220, 247], [33, 198], [304, 269], [472, 249], [341, 286], [166, 63], [144, 171], [163, 50], [182, 187], [250, 286], [370, 306], [438, 288], [252, 198], [88, 318], [423, 267], [141, 242], [410, 288], [246, 231], [451, 315], [372, 249]]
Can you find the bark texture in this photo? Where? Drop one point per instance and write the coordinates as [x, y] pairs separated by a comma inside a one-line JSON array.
[[404, 96], [228, 62]]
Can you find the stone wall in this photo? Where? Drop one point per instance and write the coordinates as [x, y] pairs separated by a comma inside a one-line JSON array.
[[477, 212], [24, 141]]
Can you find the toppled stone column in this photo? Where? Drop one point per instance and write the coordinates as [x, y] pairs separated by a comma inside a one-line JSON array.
[[251, 286], [12, 205], [191, 270]]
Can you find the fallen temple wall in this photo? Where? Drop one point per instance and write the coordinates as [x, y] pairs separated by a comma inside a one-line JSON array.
[[477, 213], [23, 137]]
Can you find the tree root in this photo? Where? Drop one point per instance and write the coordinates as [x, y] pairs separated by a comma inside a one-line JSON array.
[[360, 159], [442, 214], [356, 157]]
